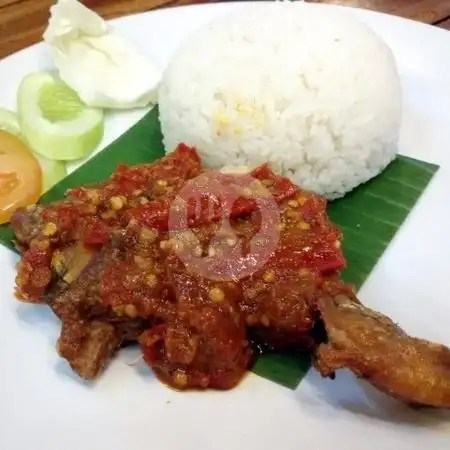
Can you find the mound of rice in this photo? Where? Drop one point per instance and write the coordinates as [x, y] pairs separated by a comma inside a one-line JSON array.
[[309, 89]]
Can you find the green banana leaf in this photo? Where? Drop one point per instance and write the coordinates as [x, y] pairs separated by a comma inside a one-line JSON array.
[[369, 216]]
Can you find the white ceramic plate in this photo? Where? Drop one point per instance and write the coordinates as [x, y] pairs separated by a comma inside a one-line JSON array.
[[44, 407]]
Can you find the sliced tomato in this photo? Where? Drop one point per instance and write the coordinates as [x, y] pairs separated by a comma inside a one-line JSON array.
[[20, 176]]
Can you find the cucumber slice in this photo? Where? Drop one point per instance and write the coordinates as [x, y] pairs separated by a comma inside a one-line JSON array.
[[55, 121], [9, 122], [52, 171]]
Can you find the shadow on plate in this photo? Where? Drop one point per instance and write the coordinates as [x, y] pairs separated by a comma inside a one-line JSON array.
[[40, 318], [347, 393], [131, 356], [13, 258]]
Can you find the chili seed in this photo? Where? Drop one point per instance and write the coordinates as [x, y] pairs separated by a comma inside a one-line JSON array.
[[44, 244], [93, 196], [269, 276], [50, 229], [116, 203], [151, 279], [216, 295], [265, 320], [131, 311], [231, 242], [268, 183], [141, 262], [177, 245], [301, 200], [292, 214], [180, 378], [119, 310], [304, 272], [147, 234], [164, 245]]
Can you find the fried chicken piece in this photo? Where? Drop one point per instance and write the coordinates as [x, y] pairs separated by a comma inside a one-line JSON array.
[[91, 331], [373, 347], [80, 299], [279, 307], [136, 285], [91, 215], [276, 302], [88, 346], [205, 345], [186, 280], [277, 299], [128, 187]]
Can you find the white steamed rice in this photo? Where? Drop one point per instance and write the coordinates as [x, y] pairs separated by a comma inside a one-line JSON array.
[[311, 90]]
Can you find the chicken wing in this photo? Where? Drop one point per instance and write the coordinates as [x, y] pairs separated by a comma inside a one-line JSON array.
[[373, 347]]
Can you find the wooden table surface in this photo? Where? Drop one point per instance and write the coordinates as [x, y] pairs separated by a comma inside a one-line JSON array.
[[23, 21]]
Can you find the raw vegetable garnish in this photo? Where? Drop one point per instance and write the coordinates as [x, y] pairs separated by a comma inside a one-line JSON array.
[[9, 122], [52, 171], [20, 176], [103, 68], [54, 120]]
